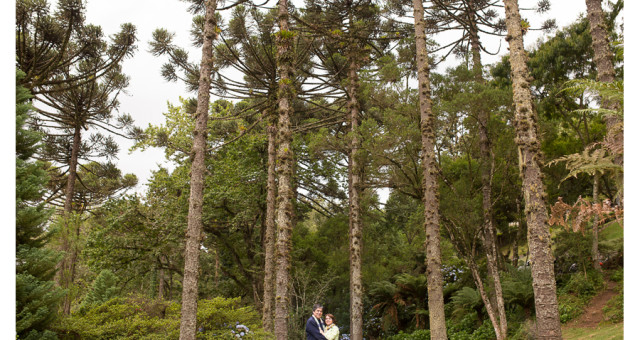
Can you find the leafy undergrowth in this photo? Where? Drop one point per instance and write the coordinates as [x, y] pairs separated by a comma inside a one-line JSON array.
[[608, 332]]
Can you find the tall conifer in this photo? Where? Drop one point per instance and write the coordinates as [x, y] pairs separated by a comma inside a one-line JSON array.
[[530, 159]]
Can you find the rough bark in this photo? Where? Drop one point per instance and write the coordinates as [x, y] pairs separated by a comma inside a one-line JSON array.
[[518, 234], [67, 266], [284, 159], [270, 231], [595, 254], [430, 185], [486, 161], [198, 150], [601, 52], [490, 307], [603, 58], [530, 160], [355, 219]]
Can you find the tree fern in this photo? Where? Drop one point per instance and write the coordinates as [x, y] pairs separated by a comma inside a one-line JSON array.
[[597, 157]]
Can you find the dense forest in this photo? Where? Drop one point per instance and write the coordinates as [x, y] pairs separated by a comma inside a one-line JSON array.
[[322, 157]]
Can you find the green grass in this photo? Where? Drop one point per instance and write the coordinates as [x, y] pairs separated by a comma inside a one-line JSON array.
[[612, 232], [608, 332]]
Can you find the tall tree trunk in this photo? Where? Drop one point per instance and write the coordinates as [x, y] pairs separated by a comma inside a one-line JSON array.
[[486, 160], [491, 309], [603, 58], [355, 218], [270, 226], [73, 166], [67, 266], [160, 279], [430, 185], [194, 218], [595, 254], [284, 159], [518, 234], [530, 159]]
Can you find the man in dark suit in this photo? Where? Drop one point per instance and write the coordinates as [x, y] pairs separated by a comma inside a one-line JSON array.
[[315, 324]]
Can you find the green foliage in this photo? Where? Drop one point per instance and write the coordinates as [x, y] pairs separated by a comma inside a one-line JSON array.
[[588, 161], [136, 317], [420, 334], [135, 239], [517, 287], [612, 332], [617, 275], [571, 248], [466, 300], [576, 292], [220, 318], [570, 307], [31, 177], [613, 231], [37, 298], [285, 34], [123, 318], [614, 309], [583, 285], [470, 327], [103, 289]]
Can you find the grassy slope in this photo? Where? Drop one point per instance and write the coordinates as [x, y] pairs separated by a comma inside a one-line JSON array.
[[615, 331]]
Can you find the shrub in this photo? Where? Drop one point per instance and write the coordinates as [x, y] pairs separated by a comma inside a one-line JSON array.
[[584, 286], [484, 332], [617, 275], [614, 309], [517, 287], [103, 289], [420, 334], [136, 317], [569, 307], [463, 328], [523, 331]]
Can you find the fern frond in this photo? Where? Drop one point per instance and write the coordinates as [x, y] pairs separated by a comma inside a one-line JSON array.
[[588, 161], [613, 92]]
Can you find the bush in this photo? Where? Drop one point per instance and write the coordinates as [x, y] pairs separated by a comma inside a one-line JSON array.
[[569, 307], [466, 323], [617, 275], [103, 289], [614, 309], [136, 317], [484, 332], [517, 287], [584, 287], [522, 331], [420, 334]]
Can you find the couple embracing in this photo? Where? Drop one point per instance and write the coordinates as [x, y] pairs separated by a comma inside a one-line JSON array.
[[317, 329]]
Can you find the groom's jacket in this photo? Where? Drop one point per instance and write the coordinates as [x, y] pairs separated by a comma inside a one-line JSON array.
[[312, 329]]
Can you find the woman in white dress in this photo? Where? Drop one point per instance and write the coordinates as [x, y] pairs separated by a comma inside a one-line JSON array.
[[332, 332]]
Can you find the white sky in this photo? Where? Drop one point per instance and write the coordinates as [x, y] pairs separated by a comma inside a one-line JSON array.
[[149, 94]]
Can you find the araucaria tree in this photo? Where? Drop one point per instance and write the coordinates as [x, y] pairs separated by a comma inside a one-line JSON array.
[[284, 170], [429, 181], [604, 63], [71, 107], [198, 150], [530, 159]]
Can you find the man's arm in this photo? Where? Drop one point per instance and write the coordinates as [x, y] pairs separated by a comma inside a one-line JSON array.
[[312, 329]]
